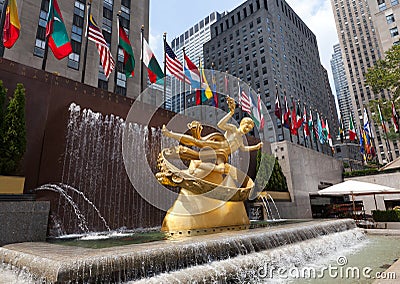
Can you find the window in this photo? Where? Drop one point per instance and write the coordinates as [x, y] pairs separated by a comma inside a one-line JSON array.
[[381, 5], [394, 32], [73, 61], [394, 2], [390, 18]]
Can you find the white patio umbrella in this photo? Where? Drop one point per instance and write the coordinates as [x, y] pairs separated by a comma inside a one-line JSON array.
[[355, 188]]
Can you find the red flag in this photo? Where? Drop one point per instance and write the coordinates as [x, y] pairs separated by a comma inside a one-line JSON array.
[[294, 128], [11, 25]]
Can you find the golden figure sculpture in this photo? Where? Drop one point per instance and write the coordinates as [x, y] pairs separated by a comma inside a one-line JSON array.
[[216, 188]]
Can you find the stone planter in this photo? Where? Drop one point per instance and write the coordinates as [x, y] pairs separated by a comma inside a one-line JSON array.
[[11, 185]]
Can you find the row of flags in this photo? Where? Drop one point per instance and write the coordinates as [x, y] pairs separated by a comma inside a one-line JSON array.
[[294, 119]]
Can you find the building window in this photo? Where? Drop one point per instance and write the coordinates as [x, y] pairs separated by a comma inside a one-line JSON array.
[[395, 2], [121, 80], [390, 18], [381, 5], [38, 50], [394, 32], [73, 61]]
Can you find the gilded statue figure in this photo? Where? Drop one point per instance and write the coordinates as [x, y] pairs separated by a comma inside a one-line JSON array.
[[215, 148]]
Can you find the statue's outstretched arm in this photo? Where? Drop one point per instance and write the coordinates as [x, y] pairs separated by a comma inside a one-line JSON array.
[[251, 148]]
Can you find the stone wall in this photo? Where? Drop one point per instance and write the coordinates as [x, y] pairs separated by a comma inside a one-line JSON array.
[[23, 221], [305, 170]]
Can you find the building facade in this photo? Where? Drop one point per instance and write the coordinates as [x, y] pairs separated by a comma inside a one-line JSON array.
[[341, 87], [29, 49], [361, 48], [266, 44]]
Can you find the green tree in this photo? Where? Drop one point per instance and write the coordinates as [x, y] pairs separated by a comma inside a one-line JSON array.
[[14, 139], [270, 176], [385, 75]]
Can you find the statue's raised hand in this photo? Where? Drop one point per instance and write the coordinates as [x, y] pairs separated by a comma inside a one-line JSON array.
[[231, 104]]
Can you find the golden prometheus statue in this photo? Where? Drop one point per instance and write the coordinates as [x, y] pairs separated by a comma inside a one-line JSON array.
[[211, 190]]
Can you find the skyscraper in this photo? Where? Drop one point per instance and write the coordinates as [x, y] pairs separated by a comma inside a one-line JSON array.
[[265, 43], [360, 41], [341, 86], [29, 49]]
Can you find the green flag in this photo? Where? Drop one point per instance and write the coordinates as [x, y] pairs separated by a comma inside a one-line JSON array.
[[56, 32], [129, 58]]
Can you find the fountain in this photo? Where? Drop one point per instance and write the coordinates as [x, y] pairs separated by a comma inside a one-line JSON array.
[[95, 195]]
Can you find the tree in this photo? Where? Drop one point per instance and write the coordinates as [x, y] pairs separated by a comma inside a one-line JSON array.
[[14, 139], [385, 75], [269, 174]]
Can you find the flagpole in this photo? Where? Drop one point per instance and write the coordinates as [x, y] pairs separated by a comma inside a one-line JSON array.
[[89, 5], [165, 71], [315, 134], [3, 20], [201, 90], [116, 57], [279, 100], [141, 59], [184, 82], [290, 122], [46, 45], [386, 138]]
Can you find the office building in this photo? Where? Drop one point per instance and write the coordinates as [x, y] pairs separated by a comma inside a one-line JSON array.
[[29, 49], [361, 45], [265, 43], [341, 87]]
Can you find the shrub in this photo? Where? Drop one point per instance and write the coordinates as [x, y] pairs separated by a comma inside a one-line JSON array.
[[14, 133], [386, 216]]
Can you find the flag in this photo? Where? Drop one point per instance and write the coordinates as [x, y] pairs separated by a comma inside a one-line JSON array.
[[214, 88], [154, 71], [206, 91], [95, 35], [278, 109], [260, 113], [382, 119], [324, 130], [56, 32], [226, 84], [362, 149], [286, 116], [312, 127], [299, 117], [367, 127], [352, 132], [395, 118], [319, 132], [329, 137], [306, 127], [192, 72], [129, 58], [255, 112], [174, 66], [294, 128], [12, 25], [244, 101]]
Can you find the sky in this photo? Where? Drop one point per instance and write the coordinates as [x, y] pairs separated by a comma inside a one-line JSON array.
[[176, 16]]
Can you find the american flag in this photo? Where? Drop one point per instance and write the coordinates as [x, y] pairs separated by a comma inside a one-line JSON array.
[[244, 101], [95, 35], [174, 66]]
